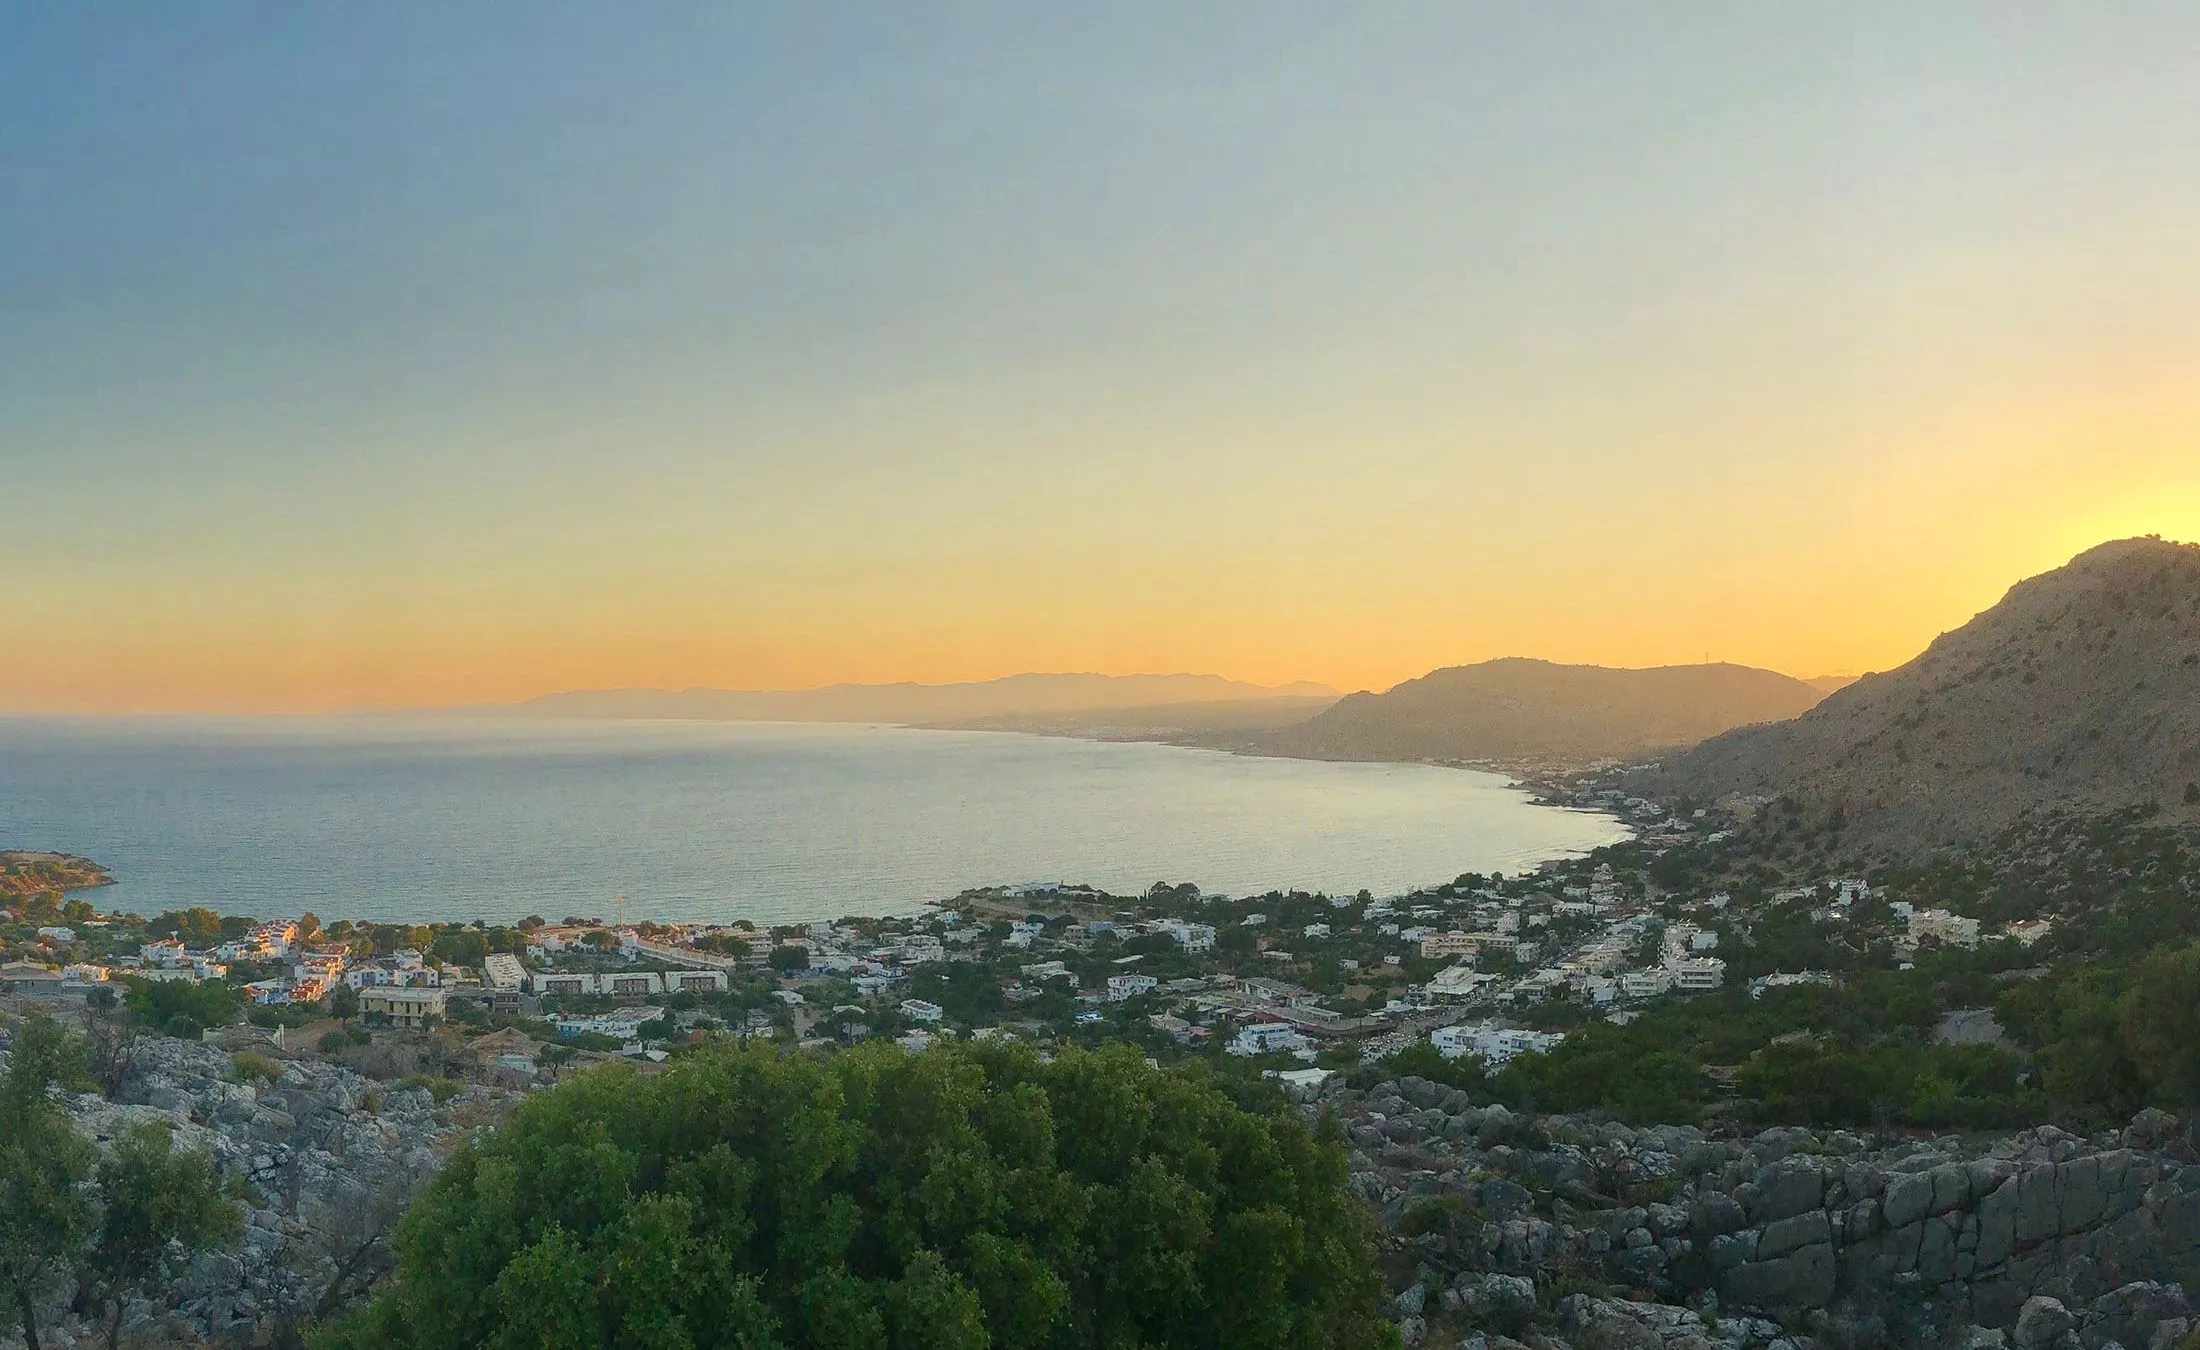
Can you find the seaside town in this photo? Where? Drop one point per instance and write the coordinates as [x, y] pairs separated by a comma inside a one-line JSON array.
[[1304, 985], [1519, 1065]]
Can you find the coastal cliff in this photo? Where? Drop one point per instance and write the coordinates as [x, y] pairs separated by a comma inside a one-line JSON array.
[[25, 873]]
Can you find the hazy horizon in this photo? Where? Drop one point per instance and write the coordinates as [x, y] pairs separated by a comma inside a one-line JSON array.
[[407, 356], [1248, 690]]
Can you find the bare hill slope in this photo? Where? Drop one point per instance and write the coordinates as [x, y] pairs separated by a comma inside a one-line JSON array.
[[2080, 690], [1516, 710]]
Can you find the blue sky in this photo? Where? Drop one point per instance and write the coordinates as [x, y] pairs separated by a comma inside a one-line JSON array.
[[406, 353]]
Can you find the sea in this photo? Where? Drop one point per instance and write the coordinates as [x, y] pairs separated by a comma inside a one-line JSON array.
[[382, 818]]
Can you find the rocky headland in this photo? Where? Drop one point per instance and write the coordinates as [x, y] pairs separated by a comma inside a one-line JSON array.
[[25, 873]]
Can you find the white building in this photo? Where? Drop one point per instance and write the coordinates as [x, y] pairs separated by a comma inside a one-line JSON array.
[[1938, 925], [1043, 971], [1263, 1038], [623, 1025], [1122, 988], [2028, 931], [917, 1010], [1699, 974], [1192, 937], [1781, 980], [1495, 1043], [1645, 983], [1437, 946], [392, 975], [918, 949], [616, 984], [1457, 982], [502, 971], [1463, 944]]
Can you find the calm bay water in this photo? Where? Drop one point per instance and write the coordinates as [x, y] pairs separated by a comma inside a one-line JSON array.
[[395, 819]]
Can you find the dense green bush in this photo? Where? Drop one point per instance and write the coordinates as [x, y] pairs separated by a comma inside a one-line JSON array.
[[966, 1197], [181, 1007], [1933, 1086]]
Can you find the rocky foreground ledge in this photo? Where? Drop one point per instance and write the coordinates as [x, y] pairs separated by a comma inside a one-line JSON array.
[[324, 1159], [1502, 1226], [1500, 1231]]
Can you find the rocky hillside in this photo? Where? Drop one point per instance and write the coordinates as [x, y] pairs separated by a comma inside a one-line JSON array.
[[1524, 711], [324, 1160], [1682, 1239], [2080, 690]]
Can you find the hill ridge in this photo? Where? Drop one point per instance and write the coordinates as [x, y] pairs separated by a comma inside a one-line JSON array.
[[910, 701], [1519, 709], [2079, 689]]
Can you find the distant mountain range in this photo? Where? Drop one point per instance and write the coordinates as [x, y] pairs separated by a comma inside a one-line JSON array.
[[1215, 724], [1518, 710], [2080, 690], [920, 704]]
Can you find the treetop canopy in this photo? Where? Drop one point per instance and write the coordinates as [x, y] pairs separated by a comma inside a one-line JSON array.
[[958, 1199]]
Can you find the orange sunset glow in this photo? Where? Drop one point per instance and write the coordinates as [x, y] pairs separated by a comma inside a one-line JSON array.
[[1333, 353]]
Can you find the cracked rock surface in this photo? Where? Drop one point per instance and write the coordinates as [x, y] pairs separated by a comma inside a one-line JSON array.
[[1512, 1226]]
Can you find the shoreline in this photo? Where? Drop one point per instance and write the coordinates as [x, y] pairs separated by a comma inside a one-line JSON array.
[[28, 872], [724, 897]]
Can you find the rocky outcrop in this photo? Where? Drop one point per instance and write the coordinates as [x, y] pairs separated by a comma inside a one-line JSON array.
[[324, 1161], [1917, 1238]]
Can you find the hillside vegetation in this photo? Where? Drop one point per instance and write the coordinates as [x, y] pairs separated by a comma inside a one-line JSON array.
[[26, 874], [1520, 710], [2080, 690], [953, 1200]]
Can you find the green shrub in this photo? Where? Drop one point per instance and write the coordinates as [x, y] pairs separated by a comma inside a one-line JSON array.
[[963, 1197], [333, 1042], [442, 1089], [248, 1066]]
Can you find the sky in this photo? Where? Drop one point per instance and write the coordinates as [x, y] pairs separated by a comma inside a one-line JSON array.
[[418, 354]]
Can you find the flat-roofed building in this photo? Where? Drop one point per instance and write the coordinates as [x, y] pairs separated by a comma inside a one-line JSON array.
[[402, 1005], [502, 970]]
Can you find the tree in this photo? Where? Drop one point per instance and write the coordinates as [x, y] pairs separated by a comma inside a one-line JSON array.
[[182, 1007], [159, 1207], [460, 946], [343, 1003], [2161, 1023], [790, 958], [966, 1197], [195, 927], [110, 1047], [45, 1210]]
